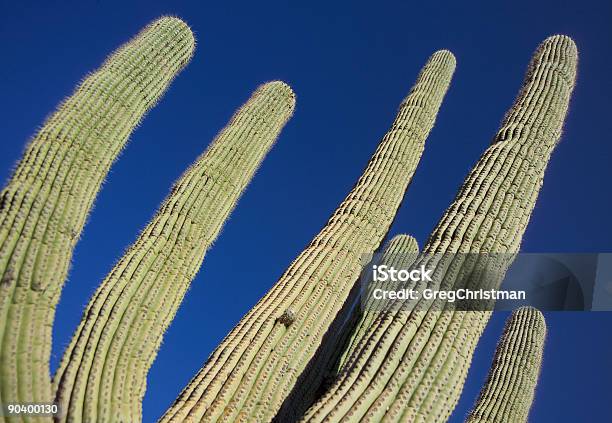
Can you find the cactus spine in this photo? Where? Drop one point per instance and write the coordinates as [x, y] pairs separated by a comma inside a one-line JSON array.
[[44, 206], [103, 374], [256, 366], [411, 365], [510, 386]]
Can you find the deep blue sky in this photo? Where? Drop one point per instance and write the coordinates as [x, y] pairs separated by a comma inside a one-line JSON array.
[[350, 64]]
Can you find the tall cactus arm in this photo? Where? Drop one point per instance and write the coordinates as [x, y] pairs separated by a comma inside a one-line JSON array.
[[510, 387], [411, 365], [103, 373], [257, 365], [346, 331], [400, 252], [45, 204]]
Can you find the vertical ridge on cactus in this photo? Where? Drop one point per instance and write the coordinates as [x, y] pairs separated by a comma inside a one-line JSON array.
[[411, 364], [45, 204], [510, 386], [103, 374], [256, 366]]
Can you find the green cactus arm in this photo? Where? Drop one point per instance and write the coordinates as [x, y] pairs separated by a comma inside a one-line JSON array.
[[400, 252], [346, 331], [256, 366], [412, 364], [510, 387], [102, 376], [45, 204]]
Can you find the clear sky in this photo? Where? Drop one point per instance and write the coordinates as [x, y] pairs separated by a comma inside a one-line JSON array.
[[350, 63]]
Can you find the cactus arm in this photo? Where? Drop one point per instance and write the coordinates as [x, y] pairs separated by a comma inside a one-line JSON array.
[[44, 206], [345, 333], [103, 374], [256, 366], [510, 386], [412, 364], [399, 252]]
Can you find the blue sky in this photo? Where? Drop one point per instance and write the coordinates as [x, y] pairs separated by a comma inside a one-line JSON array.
[[350, 63]]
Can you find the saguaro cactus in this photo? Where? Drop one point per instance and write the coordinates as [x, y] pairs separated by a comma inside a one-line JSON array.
[[103, 374], [256, 366], [411, 364], [345, 333], [400, 252], [398, 364], [510, 386], [44, 206]]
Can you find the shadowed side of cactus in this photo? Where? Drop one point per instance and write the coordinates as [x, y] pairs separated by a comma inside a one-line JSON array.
[[411, 365], [45, 204], [103, 374], [400, 252], [344, 334], [510, 387], [255, 368]]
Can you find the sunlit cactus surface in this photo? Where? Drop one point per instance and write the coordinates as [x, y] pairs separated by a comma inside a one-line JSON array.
[[308, 350]]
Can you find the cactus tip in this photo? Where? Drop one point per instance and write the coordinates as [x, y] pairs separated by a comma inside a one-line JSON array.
[[282, 89], [446, 55], [560, 39], [561, 51], [181, 29], [444, 60], [536, 317], [403, 239]]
